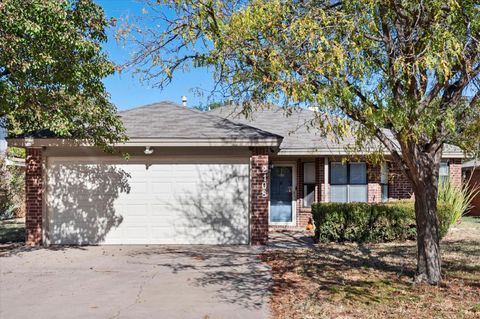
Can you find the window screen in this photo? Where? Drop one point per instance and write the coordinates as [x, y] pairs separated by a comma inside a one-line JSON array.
[[348, 182], [357, 193], [444, 172], [308, 184], [338, 173], [309, 173], [338, 193], [358, 173], [308, 194]]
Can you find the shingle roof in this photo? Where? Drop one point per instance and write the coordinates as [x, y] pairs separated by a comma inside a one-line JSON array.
[[169, 120], [297, 128], [474, 163]]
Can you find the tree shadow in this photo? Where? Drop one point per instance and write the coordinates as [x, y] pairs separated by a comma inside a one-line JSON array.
[[361, 272], [81, 202], [236, 273], [18, 249], [215, 211]]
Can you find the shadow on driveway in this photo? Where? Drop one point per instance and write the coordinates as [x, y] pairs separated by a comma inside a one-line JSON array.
[[135, 281]]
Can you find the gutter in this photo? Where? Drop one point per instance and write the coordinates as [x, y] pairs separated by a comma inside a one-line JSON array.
[[341, 151], [153, 142]]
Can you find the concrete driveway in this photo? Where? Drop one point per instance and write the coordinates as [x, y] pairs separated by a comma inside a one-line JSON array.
[[134, 282]]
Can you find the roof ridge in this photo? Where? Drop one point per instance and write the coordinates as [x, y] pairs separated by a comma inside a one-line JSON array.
[[159, 103]]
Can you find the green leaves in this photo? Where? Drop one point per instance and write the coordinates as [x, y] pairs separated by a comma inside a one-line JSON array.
[[52, 68], [412, 67]]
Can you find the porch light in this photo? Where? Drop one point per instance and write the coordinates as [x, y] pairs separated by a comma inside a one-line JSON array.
[[28, 140], [148, 150]]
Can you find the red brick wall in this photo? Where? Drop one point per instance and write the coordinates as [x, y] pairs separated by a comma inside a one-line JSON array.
[[33, 196], [259, 180], [374, 189], [456, 171], [399, 186], [474, 182], [320, 179]]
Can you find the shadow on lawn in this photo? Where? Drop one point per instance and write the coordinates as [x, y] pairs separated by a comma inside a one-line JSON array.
[[367, 273]]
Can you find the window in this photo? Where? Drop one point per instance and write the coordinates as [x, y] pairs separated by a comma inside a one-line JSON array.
[[384, 181], [348, 182], [308, 184], [444, 173]]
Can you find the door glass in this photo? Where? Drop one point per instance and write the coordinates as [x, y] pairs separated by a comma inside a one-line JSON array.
[[281, 192]]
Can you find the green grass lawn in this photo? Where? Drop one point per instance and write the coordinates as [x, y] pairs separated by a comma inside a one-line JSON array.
[[375, 280], [12, 230]]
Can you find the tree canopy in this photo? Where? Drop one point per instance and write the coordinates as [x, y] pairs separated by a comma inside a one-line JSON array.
[[406, 71], [51, 70]]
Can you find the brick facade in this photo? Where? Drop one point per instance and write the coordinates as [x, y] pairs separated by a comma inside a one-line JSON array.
[[33, 196], [399, 186], [374, 188], [455, 169], [260, 193], [472, 177], [320, 179]]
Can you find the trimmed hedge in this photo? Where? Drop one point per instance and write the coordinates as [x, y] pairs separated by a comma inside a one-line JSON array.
[[365, 222]]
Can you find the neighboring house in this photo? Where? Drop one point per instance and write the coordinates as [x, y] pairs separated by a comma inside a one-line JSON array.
[[197, 178], [471, 172]]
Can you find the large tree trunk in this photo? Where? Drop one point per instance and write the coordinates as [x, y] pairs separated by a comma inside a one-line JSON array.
[[424, 168]]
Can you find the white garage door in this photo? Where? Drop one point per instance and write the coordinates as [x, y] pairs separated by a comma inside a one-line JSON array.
[[134, 202]]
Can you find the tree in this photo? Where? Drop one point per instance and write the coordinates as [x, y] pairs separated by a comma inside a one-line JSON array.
[[407, 71], [51, 67]]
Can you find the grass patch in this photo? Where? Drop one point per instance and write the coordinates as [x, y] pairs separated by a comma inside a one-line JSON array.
[[375, 280]]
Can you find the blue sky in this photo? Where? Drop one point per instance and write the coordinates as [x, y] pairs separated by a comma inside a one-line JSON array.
[[126, 90]]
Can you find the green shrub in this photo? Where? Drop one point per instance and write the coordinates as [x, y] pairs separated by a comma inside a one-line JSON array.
[[12, 191], [364, 222]]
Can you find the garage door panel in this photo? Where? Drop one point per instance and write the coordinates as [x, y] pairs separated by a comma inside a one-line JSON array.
[[147, 204]]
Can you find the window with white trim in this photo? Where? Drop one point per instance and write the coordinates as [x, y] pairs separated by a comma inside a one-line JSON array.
[[348, 182], [308, 184], [444, 172]]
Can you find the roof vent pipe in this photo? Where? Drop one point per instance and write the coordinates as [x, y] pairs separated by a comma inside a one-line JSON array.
[[184, 101]]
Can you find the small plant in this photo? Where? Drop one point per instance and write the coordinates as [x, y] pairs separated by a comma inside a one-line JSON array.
[[456, 201]]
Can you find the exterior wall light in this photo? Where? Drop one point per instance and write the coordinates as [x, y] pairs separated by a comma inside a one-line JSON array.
[[28, 140], [148, 150]]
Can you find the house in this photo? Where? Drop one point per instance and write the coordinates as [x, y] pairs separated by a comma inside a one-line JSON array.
[[192, 177], [471, 173]]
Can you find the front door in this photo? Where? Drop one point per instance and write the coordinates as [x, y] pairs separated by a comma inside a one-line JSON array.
[[281, 194]]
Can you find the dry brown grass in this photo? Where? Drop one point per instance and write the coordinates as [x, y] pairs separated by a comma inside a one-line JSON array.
[[375, 281]]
